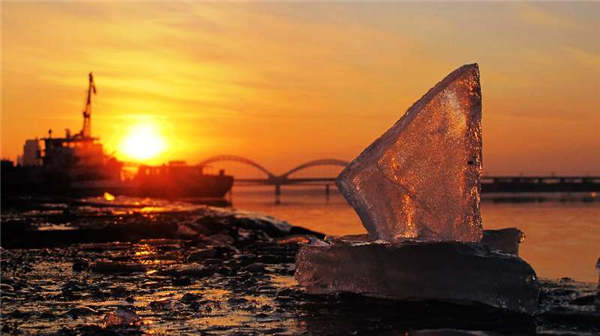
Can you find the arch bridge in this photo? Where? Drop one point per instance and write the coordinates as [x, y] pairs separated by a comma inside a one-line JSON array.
[[240, 159], [489, 184], [283, 179], [278, 180]]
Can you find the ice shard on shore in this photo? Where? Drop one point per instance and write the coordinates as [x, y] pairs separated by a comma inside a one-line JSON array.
[[416, 190], [444, 271], [420, 179]]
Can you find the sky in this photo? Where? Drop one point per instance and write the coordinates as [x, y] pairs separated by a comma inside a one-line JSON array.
[[283, 83]]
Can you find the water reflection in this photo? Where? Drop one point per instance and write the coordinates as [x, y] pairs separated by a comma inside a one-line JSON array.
[[561, 237]]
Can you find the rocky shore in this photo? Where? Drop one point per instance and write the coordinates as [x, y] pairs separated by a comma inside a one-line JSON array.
[[216, 271]]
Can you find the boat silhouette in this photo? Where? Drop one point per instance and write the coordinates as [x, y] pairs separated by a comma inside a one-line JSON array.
[[76, 165]]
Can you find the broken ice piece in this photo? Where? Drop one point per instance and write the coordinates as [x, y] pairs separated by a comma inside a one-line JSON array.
[[446, 271], [121, 317], [503, 240], [420, 179]]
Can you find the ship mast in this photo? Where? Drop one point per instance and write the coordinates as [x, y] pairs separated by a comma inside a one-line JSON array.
[[86, 132]]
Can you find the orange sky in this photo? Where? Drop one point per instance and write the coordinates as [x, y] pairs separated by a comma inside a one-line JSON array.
[[283, 83]]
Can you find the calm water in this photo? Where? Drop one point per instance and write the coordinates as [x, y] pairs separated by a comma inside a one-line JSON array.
[[562, 238]]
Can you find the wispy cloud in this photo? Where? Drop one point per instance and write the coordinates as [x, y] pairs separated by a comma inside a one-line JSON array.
[[257, 77], [535, 15], [588, 59]]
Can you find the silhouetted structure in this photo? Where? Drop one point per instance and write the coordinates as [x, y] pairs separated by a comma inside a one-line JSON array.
[[489, 184], [177, 179], [77, 165]]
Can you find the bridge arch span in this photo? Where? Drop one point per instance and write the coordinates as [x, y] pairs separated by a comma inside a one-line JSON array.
[[320, 162], [235, 158]]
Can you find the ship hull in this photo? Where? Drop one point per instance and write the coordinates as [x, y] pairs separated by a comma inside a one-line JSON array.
[[27, 181], [206, 186]]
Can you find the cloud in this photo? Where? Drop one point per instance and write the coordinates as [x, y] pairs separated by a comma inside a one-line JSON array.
[[260, 76], [535, 15], [586, 58]]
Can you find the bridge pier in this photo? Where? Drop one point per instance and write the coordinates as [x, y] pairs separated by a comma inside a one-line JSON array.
[[277, 194]]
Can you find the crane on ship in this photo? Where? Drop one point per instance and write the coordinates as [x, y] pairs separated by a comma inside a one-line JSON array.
[[86, 131]]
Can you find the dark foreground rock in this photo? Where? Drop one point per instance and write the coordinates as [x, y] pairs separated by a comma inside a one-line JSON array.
[[446, 271], [221, 226]]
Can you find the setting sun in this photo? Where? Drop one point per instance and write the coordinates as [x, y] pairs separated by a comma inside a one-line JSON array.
[[143, 142]]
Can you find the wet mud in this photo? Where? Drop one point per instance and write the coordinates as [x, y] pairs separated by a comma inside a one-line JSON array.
[[201, 270]]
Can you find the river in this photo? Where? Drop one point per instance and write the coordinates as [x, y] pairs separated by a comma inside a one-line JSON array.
[[562, 239]]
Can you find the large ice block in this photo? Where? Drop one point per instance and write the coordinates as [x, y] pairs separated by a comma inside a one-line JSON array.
[[420, 179], [446, 271], [503, 240]]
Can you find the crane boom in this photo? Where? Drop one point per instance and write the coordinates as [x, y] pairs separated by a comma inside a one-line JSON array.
[[86, 132]]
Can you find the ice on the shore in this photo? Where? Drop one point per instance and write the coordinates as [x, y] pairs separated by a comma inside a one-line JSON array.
[[447, 271], [416, 190], [420, 179], [502, 240], [120, 318]]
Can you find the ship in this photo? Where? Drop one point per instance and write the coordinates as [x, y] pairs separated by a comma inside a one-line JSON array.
[[77, 165], [178, 179]]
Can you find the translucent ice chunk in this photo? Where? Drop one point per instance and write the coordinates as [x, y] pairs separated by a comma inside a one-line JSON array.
[[447, 271], [503, 240], [420, 179], [122, 317]]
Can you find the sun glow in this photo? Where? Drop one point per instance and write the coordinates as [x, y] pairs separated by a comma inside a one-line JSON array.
[[143, 142]]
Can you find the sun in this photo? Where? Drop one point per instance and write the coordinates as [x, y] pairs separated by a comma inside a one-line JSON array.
[[143, 142]]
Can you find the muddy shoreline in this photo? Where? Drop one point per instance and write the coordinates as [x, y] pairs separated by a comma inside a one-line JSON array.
[[215, 271]]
